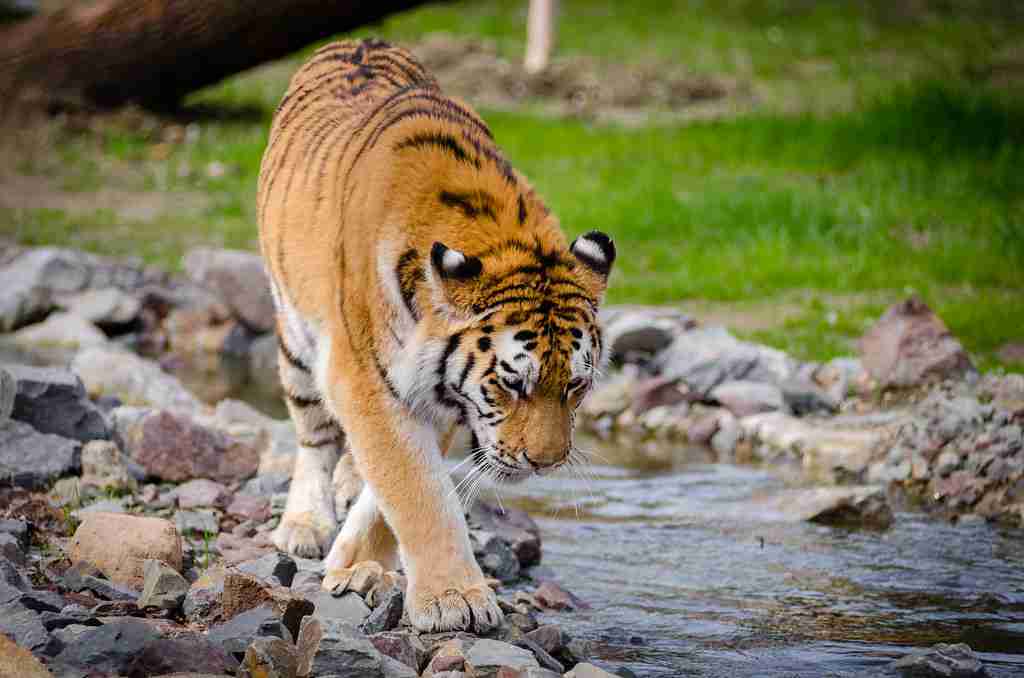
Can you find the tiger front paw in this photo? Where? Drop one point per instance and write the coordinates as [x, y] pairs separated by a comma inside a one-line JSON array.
[[304, 536], [471, 608]]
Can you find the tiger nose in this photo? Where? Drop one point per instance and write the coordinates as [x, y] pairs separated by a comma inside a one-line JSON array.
[[544, 459]]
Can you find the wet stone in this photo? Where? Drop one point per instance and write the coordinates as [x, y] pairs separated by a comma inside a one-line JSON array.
[[554, 597], [588, 671], [487, 656], [941, 661], [495, 556]]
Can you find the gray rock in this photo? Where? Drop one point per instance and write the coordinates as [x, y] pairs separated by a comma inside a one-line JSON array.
[[275, 568], [35, 460], [53, 400], [941, 661], [201, 521], [633, 332], [403, 646], [119, 505], [744, 398], [201, 492], [706, 357], [803, 397], [11, 549], [348, 608], [191, 653], [105, 467], [495, 556], [20, 529], [163, 588], [10, 576], [267, 485], [136, 381], [83, 577], [392, 668], [239, 279], [387, 614], [24, 627], [487, 656], [307, 581], [345, 652], [8, 391], [236, 634], [107, 307]]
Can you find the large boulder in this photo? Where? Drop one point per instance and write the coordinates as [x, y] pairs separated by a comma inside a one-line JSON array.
[[706, 357], [239, 279], [53, 400], [910, 345], [635, 333], [120, 544], [173, 448], [844, 506], [35, 460]]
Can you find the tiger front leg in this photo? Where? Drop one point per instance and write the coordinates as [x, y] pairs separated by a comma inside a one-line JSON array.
[[407, 483]]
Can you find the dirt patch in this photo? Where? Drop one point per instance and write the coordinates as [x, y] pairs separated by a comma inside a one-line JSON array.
[[37, 192], [578, 86]]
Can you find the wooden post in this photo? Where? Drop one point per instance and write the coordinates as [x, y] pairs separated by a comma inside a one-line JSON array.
[[540, 34]]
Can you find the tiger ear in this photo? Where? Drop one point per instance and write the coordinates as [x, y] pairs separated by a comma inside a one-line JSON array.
[[596, 252], [453, 275]]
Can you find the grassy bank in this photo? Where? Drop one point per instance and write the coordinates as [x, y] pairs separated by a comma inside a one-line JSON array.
[[847, 187]]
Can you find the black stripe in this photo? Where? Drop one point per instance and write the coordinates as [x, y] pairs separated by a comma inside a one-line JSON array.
[[386, 379], [302, 402], [522, 211], [292, 359], [464, 203], [470, 361], [525, 335], [441, 140], [410, 274]]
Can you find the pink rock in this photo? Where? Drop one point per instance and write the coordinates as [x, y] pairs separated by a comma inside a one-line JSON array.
[[910, 345], [250, 507], [554, 597], [201, 492]]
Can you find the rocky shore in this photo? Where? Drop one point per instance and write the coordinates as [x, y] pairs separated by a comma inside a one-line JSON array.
[[134, 515]]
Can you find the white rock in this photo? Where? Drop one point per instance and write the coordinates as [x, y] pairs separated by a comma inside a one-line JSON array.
[[61, 329], [134, 380]]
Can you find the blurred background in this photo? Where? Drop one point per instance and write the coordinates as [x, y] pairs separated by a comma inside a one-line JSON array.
[[787, 167]]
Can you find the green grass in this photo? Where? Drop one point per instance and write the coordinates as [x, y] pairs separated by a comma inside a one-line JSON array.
[[902, 187]]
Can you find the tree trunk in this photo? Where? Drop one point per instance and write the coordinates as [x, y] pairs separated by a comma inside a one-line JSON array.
[[154, 52], [540, 34]]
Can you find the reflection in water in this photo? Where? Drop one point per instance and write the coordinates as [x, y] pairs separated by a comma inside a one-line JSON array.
[[688, 575]]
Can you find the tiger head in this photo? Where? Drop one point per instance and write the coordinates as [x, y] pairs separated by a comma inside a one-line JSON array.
[[526, 345]]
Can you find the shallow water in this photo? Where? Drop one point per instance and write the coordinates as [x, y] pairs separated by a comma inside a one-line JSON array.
[[688, 575]]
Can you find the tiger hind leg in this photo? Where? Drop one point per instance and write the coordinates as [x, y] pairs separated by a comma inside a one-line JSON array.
[[309, 522]]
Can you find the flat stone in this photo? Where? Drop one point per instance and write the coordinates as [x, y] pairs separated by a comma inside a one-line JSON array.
[[274, 568], [135, 381], [585, 670], [307, 643], [119, 545], [554, 597], [848, 505], [191, 652], [941, 661], [348, 608], [63, 330], [236, 634], [53, 400], [910, 345], [744, 398], [550, 637], [18, 662], [173, 448], [487, 656], [344, 651], [239, 279], [163, 587], [200, 493], [34, 460]]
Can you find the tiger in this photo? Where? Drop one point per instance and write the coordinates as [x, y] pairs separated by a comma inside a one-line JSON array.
[[421, 286]]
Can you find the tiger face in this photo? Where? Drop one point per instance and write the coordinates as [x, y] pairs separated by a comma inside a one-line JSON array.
[[519, 369]]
